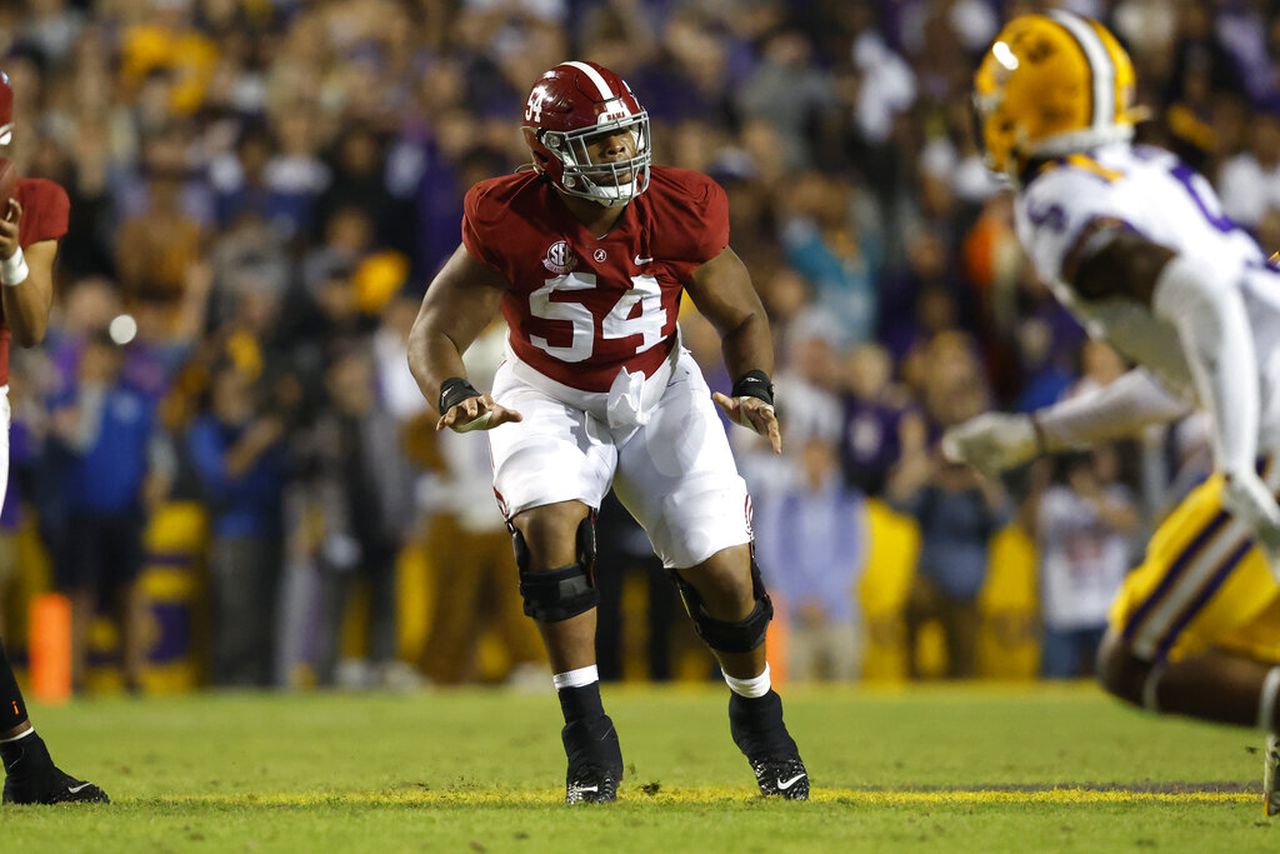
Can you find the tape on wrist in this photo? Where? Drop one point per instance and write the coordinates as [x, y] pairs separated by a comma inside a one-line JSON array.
[[13, 270]]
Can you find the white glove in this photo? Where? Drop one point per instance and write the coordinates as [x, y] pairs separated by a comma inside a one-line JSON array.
[[992, 442], [1248, 499]]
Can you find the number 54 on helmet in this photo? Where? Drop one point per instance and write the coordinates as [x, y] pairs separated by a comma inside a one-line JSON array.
[[570, 107]]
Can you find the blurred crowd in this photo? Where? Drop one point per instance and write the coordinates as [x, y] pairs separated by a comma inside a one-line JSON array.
[[262, 189]]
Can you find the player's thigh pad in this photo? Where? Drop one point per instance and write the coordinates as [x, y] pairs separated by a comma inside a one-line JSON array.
[[1201, 582], [557, 453], [678, 478]]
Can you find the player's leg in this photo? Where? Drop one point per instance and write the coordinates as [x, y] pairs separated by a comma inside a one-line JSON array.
[[1202, 584], [1211, 685], [30, 775], [555, 554], [519, 635], [678, 478], [726, 599], [550, 472]]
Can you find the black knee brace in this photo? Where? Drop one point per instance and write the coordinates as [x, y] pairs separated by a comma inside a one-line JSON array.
[[557, 594], [742, 636]]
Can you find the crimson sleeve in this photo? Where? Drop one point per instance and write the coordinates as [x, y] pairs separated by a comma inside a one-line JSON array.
[[477, 222], [692, 217], [714, 233], [49, 210]]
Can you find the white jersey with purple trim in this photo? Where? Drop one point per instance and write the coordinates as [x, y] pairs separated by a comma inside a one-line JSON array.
[[1167, 202]]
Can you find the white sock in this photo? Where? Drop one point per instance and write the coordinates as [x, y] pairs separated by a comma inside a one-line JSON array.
[[30, 731], [1267, 702], [757, 686], [578, 678]]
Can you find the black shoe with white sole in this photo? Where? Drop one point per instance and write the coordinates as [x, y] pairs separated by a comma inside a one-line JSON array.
[[32, 778], [595, 761], [758, 729], [782, 778]]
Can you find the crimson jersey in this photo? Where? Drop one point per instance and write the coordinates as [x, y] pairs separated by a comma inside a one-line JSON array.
[[45, 209], [581, 308]]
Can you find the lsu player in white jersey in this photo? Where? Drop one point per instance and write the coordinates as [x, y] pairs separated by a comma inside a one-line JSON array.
[[1134, 243]]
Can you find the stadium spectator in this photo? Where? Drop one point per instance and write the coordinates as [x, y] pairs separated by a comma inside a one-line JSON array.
[[239, 459], [823, 244], [365, 489], [1083, 523], [958, 512], [811, 544], [1250, 181], [103, 430], [470, 554], [155, 248], [880, 423]]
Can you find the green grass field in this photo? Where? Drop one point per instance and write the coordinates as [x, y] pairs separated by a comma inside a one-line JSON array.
[[952, 769]]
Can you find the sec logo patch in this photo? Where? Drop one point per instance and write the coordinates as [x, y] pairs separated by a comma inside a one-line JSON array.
[[560, 258]]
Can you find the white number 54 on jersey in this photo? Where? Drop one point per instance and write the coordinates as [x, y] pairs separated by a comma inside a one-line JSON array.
[[618, 323]]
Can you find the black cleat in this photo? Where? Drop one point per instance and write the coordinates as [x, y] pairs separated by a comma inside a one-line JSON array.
[[758, 730], [590, 784], [783, 778], [595, 761], [34, 779]]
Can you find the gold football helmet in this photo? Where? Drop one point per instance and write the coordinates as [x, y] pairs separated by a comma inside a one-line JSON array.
[[1051, 85]]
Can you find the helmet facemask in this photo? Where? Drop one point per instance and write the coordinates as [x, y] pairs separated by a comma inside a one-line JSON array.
[[608, 183]]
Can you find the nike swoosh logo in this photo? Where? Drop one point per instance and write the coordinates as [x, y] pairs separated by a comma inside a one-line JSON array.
[[789, 783], [74, 789], [640, 262], [586, 788]]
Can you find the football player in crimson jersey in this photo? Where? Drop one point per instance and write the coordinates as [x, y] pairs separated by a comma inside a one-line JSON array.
[[29, 231], [586, 255]]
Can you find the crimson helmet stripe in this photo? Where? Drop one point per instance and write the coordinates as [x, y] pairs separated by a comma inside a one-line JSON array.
[[596, 77]]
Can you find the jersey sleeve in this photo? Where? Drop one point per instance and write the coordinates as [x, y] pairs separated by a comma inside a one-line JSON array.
[[479, 222], [46, 214], [1055, 209], [696, 227]]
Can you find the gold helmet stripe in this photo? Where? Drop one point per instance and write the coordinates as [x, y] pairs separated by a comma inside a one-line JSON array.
[[1102, 70]]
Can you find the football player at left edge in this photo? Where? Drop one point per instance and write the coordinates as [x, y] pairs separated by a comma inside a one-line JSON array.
[[35, 219]]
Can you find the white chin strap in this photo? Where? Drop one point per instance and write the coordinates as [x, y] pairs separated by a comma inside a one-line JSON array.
[[6, 134]]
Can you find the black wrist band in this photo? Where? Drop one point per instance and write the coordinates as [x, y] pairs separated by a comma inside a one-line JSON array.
[[754, 384], [453, 391]]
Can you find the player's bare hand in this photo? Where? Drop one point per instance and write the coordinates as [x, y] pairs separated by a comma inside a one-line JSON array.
[[9, 229], [477, 413], [754, 413]]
